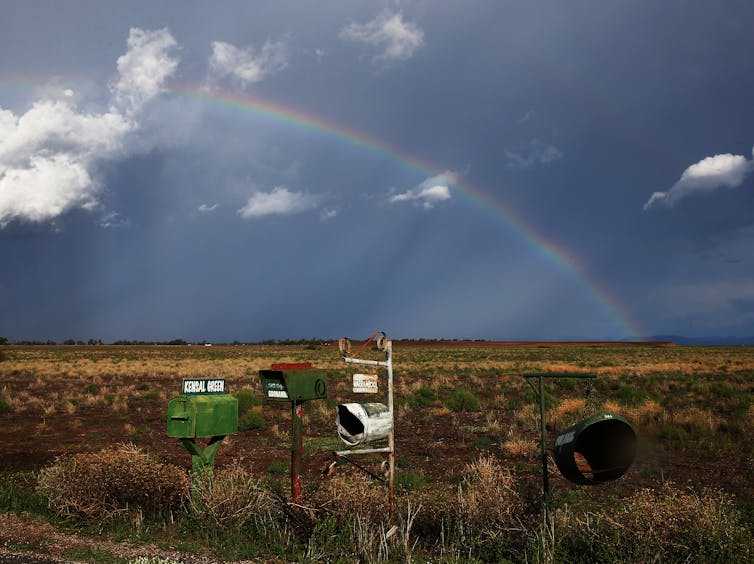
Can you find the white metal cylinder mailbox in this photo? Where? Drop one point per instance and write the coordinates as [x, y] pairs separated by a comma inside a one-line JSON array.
[[360, 423]]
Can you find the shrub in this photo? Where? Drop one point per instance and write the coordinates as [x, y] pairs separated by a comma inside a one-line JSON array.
[[232, 498], [345, 496], [111, 482], [488, 500], [490, 511], [629, 395], [423, 397], [5, 407], [246, 400], [249, 412], [252, 419], [530, 397], [462, 400], [670, 525]]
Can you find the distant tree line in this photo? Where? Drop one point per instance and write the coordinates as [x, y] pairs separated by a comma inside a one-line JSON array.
[[183, 342], [94, 342]]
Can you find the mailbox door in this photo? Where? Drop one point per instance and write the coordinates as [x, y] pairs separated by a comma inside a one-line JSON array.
[[182, 418], [216, 415], [273, 385]]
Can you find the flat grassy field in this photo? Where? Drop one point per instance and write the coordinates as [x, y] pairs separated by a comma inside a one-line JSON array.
[[692, 408]]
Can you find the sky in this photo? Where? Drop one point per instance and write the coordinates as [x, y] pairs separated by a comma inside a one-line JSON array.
[[269, 170]]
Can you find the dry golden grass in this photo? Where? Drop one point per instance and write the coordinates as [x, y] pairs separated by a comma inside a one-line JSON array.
[[566, 413], [527, 417], [493, 423], [488, 500], [111, 482], [696, 421], [645, 417], [346, 496], [232, 497], [519, 447], [279, 433], [441, 412]]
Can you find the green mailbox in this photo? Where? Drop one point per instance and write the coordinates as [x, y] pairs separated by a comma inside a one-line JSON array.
[[597, 449], [202, 410], [293, 383], [191, 416]]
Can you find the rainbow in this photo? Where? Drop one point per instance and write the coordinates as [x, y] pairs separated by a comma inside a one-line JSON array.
[[559, 257]]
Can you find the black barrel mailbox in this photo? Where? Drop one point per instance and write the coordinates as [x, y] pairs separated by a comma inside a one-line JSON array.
[[597, 449]]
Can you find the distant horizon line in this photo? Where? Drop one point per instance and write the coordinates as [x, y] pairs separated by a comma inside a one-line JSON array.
[[650, 340]]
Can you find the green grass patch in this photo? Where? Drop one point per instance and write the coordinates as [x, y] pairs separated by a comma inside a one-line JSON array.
[[722, 390], [629, 395], [251, 420], [246, 400], [482, 443], [409, 481], [91, 554], [462, 400], [674, 432], [18, 494], [279, 467], [5, 407], [320, 444], [423, 397], [529, 397]]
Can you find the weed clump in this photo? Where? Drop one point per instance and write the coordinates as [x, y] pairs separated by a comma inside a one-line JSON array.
[[490, 516], [345, 496], [111, 483], [246, 400], [423, 397], [409, 481], [5, 407], [249, 411], [669, 525], [232, 498], [462, 400]]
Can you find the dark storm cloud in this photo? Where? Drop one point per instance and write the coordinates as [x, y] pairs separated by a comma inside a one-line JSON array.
[[210, 221]]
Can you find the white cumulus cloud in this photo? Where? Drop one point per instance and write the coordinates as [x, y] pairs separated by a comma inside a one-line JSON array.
[[430, 192], [49, 154], [711, 173], [144, 68], [398, 39], [280, 201], [247, 65]]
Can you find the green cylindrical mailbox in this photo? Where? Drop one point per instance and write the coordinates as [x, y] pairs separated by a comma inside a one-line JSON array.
[[597, 449], [293, 383]]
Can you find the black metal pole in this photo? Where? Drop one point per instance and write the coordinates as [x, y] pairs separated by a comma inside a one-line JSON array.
[[543, 442]]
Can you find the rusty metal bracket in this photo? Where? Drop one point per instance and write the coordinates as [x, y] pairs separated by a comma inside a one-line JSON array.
[[338, 457]]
